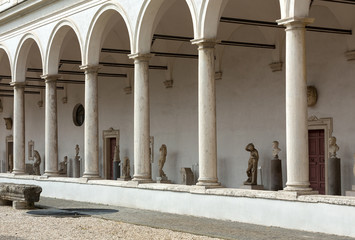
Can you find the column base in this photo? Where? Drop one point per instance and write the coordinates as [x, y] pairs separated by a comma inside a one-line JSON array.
[[51, 174], [300, 190], [19, 172], [90, 176], [142, 179], [209, 183]]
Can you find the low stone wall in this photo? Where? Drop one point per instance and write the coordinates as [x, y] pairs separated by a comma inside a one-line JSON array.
[[316, 213]]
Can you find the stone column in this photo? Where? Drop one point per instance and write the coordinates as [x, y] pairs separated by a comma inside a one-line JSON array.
[[207, 136], [51, 126], [19, 128], [142, 165], [91, 142], [296, 105]]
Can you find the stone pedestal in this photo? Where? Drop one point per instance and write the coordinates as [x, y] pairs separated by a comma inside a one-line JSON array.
[[124, 178], [163, 180], [116, 170], [334, 176], [351, 193], [76, 168], [276, 175], [253, 187]]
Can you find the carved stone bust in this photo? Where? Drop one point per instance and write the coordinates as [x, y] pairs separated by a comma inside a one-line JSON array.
[[333, 147], [312, 96], [275, 149]]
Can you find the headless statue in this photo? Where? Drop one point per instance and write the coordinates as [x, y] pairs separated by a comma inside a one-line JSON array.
[[37, 163], [126, 171], [252, 170]]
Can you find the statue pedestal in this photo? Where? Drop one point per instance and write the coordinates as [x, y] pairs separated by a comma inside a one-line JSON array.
[[252, 187], [351, 193], [276, 175], [116, 170], [334, 176], [163, 180], [122, 178]]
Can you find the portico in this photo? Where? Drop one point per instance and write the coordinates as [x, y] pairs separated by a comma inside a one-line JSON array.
[[200, 80]]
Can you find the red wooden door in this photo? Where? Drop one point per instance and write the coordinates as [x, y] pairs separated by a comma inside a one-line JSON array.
[[112, 154], [316, 160]]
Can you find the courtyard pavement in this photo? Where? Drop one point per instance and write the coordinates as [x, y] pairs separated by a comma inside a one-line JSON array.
[[183, 223]]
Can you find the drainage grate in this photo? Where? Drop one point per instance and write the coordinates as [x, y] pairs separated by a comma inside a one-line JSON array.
[[70, 212]]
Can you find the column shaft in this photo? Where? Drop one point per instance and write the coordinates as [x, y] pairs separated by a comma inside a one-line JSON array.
[[142, 165], [207, 114], [296, 107], [91, 142], [19, 128], [51, 126]]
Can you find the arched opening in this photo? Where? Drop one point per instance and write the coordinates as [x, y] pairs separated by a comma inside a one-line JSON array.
[[28, 69], [173, 87], [6, 112], [109, 46], [64, 58]]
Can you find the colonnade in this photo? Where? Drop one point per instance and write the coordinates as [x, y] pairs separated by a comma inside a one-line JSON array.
[[296, 116]]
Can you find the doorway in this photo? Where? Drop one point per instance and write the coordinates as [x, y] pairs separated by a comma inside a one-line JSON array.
[[111, 138], [316, 160], [9, 154]]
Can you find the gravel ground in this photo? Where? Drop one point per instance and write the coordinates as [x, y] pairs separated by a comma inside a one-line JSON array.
[[17, 224]]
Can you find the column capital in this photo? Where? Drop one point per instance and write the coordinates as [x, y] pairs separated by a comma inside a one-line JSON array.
[[205, 42], [90, 68], [295, 22], [18, 84], [144, 57], [51, 77]]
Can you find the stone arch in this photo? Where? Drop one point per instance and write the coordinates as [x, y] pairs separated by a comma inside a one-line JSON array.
[[21, 56], [209, 16], [94, 38], [5, 52], [55, 42], [149, 17]]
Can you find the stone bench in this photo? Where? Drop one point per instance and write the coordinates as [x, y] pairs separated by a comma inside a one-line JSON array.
[[22, 196]]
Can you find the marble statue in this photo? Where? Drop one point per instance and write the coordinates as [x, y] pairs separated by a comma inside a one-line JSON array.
[[8, 123], [162, 159], [37, 163], [63, 166], [252, 170], [333, 147], [275, 149], [126, 170]]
